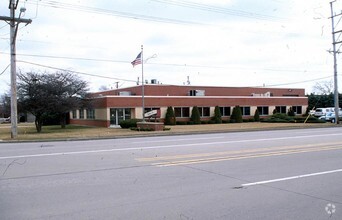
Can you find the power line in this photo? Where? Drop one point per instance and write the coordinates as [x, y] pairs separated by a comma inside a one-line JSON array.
[[220, 10], [299, 82], [153, 63], [70, 58], [102, 11], [160, 64], [127, 80], [77, 72], [5, 69]]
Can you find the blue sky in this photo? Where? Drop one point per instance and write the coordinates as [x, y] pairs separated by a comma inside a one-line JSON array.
[[272, 43]]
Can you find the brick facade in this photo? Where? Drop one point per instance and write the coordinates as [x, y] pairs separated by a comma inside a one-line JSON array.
[[114, 102]]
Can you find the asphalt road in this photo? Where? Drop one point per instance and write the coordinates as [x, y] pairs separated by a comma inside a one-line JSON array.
[[287, 174]]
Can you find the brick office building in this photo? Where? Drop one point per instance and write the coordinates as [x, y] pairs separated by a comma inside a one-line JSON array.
[[111, 107]]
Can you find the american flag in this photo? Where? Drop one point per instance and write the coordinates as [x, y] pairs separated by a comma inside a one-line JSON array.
[[137, 60]]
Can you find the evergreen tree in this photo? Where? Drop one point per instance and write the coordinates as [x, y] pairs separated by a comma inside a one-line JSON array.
[[275, 111], [236, 115], [217, 116], [256, 115], [170, 118], [195, 115], [290, 112]]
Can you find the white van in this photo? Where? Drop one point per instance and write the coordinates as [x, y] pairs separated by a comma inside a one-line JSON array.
[[323, 111]]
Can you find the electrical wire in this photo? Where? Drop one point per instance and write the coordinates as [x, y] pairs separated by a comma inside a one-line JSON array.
[[127, 80], [5, 69], [69, 58], [151, 63], [220, 10], [3, 26], [292, 83], [88, 9], [77, 72]]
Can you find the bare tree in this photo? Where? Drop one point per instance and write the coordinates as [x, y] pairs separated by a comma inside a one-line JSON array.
[[324, 87]]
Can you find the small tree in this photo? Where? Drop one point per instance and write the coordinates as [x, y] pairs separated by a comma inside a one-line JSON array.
[[50, 94], [170, 118], [291, 112], [256, 115], [236, 115], [195, 115], [275, 111], [5, 105], [217, 116]]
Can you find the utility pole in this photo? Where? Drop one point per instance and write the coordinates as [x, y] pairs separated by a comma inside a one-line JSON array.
[[336, 101], [14, 24]]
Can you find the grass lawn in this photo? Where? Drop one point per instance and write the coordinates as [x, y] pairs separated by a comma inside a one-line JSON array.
[[27, 131]]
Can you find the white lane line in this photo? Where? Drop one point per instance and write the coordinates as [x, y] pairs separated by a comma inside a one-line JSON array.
[[291, 178], [176, 140], [160, 146]]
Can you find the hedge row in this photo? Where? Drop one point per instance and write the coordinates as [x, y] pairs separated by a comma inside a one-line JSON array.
[[284, 118]]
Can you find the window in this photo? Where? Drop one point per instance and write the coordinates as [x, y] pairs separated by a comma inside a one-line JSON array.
[[204, 111], [263, 110], [74, 114], [297, 109], [90, 114], [81, 113], [182, 112], [225, 111], [281, 109], [246, 110]]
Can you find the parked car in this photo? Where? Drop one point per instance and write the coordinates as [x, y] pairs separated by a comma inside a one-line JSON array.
[[323, 111], [5, 120], [330, 116], [8, 120]]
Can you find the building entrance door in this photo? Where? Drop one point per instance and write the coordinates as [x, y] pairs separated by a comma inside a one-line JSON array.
[[119, 114]]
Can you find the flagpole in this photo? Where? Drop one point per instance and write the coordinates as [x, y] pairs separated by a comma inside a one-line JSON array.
[[142, 87]]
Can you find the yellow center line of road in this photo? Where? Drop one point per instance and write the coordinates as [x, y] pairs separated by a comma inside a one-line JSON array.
[[232, 152], [186, 159]]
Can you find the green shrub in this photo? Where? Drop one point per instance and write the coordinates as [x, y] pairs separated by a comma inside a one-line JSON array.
[[141, 129], [252, 120], [311, 119], [283, 118], [195, 115], [204, 122], [170, 118], [256, 115], [181, 123], [290, 112], [130, 123], [225, 121], [236, 116], [217, 116]]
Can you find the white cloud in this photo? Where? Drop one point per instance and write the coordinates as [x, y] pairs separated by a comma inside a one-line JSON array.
[[227, 51]]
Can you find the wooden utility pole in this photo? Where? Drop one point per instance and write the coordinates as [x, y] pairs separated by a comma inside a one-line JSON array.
[[14, 24], [334, 43]]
